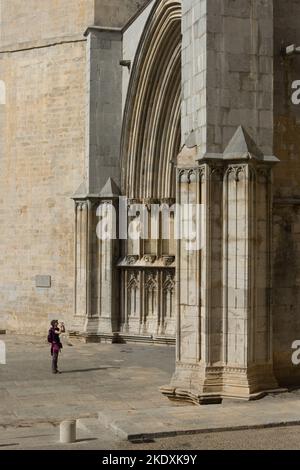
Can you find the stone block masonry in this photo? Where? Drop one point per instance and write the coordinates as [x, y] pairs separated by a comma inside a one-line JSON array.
[[41, 164]]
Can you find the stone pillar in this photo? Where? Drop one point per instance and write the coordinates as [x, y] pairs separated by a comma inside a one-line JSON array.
[[96, 280], [82, 259], [85, 242], [247, 222], [199, 282], [104, 106], [106, 276], [224, 328], [95, 315]]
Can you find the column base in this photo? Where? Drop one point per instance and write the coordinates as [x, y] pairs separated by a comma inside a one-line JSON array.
[[121, 338], [111, 338], [93, 329], [210, 385]]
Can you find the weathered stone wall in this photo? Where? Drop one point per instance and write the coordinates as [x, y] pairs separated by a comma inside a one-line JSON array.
[[43, 62], [41, 165], [116, 12], [286, 231], [41, 20], [37, 20]]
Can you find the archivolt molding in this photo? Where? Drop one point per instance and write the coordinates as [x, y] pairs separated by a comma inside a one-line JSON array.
[[151, 127]]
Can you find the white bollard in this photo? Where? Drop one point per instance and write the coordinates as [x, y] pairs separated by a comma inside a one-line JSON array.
[[68, 432]]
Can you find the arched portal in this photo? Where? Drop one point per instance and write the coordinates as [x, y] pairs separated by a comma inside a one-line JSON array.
[[150, 142]]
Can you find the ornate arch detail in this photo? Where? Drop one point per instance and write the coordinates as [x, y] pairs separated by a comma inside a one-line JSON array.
[[151, 281], [151, 133], [169, 283], [133, 282]]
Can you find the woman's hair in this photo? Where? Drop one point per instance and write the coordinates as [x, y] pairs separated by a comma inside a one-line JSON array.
[[53, 323]]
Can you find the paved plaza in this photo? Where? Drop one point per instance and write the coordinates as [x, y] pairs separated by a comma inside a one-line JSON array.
[[113, 392], [95, 377]]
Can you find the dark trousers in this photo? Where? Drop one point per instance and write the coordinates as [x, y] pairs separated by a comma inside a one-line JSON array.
[[54, 361]]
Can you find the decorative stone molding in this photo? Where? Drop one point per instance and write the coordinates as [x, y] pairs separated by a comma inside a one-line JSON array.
[[168, 260], [131, 259], [149, 258], [147, 262], [133, 281], [169, 282], [133, 202], [151, 280], [188, 176], [235, 171], [169, 201], [148, 296]]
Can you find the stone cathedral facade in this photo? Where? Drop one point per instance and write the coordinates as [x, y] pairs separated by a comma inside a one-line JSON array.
[[157, 102]]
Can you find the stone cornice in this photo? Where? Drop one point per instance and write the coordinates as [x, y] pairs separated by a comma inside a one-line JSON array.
[[102, 29]]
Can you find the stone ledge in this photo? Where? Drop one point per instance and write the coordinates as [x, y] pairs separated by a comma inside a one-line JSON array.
[[171, 421], [121, 338]]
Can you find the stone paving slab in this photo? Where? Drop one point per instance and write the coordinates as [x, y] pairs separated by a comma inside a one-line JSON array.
[[174, 421]]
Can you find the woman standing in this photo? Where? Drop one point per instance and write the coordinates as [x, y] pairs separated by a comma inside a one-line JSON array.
[[53, 338]]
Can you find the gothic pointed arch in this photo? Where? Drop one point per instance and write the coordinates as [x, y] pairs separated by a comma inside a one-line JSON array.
[[151, 127]]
